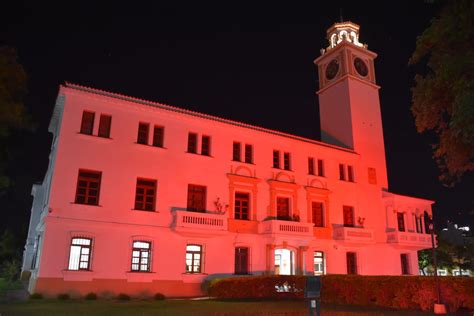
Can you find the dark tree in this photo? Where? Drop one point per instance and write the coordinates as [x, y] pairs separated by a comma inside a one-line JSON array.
[[443, 97]]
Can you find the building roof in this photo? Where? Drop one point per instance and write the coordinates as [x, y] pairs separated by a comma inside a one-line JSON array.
[[198, 114]]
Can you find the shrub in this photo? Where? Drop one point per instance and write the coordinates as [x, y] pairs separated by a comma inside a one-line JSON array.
[[91, 296], [400, 292], [63, 296], [123, 297], [36, 296], [159, 297], [10, 270]]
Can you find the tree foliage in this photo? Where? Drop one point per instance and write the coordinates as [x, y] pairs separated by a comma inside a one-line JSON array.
[[13, 113], [443, 97]]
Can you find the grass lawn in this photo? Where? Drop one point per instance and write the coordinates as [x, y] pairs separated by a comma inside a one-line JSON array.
[[181, 307]]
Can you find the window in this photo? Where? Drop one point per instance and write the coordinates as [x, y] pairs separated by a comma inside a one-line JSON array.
[[206, 145], [317, 212], [348, 213], [419, 224], [405, 265], [241, 209], [311, 166], [351, 260], [350, 174], [241, 260], [401, 222], [80, 254], [196, 198], [105, 122], [193, 258], [158, 136], [236, 151], [283, 208], [192, 143], [342, 173], [319, 263], [286, 161], [35, 253], [276, 159], [87, 124], [248, 153], [141, 256], [320, 168], [145, 195], [142, 137], [88, 187]]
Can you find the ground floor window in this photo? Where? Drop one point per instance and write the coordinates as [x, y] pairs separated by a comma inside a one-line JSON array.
[[193, 258], [241, 260], [284, 262], [80, 254], [141, 256], [404, 263], [319, 263], [351, 260]]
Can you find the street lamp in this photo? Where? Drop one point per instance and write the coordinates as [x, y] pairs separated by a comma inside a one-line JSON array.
[[438, 307]]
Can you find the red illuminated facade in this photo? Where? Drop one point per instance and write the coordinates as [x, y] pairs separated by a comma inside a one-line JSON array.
[[141, 197]]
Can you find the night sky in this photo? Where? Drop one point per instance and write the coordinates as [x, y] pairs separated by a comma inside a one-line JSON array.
[[247, 62]]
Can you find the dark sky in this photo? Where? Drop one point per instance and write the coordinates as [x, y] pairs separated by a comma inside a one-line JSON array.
[[247, 62]]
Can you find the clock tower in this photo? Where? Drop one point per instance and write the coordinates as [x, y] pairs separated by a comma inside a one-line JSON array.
[[349, 100]]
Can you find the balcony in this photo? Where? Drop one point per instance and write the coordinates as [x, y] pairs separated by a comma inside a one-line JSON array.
[[354, 235], [199, 223], [412, 240], [289, 228]]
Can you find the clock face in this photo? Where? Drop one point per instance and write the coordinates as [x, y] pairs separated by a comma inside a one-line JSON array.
[[360, 67], [331, 69]]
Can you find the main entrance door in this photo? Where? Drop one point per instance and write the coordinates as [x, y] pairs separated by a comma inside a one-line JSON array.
[[284, 262]]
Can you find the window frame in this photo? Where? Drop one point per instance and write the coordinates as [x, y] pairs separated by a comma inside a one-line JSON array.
[[192, 143], [240, 267], [401, 222], [189, 206], [342, 172], [350, 173], [350, 223], [142, 134], [237, 151], [351, 257], [158, 138], [140, 257], [80, 254], [287, 161], [287, 203], [320, 163], [145, 194], [238, 210], [87, 195], [311, 166], [105, 125], [248, 153], [276, 159], [323, 262], [405, 263], [206, 145], [85, 128], [322, 213], [200, 259]]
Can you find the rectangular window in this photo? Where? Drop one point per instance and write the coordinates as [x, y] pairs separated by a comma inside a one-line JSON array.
[[142, 137], [404, 262], [286, 161], [276, 159], [105, 123], [350, 174], [351, 260], [206, 145], [419, 227], [283, 208], [242, 203], [87, 124], [401, 222], [80, 254], [317, 213], [158, 136], [236, 151], [342, 172], [248, 153], [141, 256], [192, 143], [196, 198], [348, 216], [145, 195], [320, 168], [311, 166], [241, 260], [193, 258], [88, 187], [319, 263]]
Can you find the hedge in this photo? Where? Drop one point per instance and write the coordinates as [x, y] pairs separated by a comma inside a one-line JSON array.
[[399, 292]]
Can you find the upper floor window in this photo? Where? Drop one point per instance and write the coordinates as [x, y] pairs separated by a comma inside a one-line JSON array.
[[158, 136], [310, 165], [142, 137], [342, 172], [205, 145], [80, 253], [287, 161], [248, 153], [193, 259], [419, 224], [349, 176], [192, 143], [319, 263], [105, 123], [88, 187], [401, 221], [145, 195], [283, 208], [320, 168], [196, 198], [241, 260], [276, 159], [141, 256], [317, 214], [87, 124], [348, 216], [351, 261], [241, 207], [236, 151]]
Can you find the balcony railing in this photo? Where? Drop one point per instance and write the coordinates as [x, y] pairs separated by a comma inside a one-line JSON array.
[[409, 239], [204, 222], [354, 234], [285, 228]]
